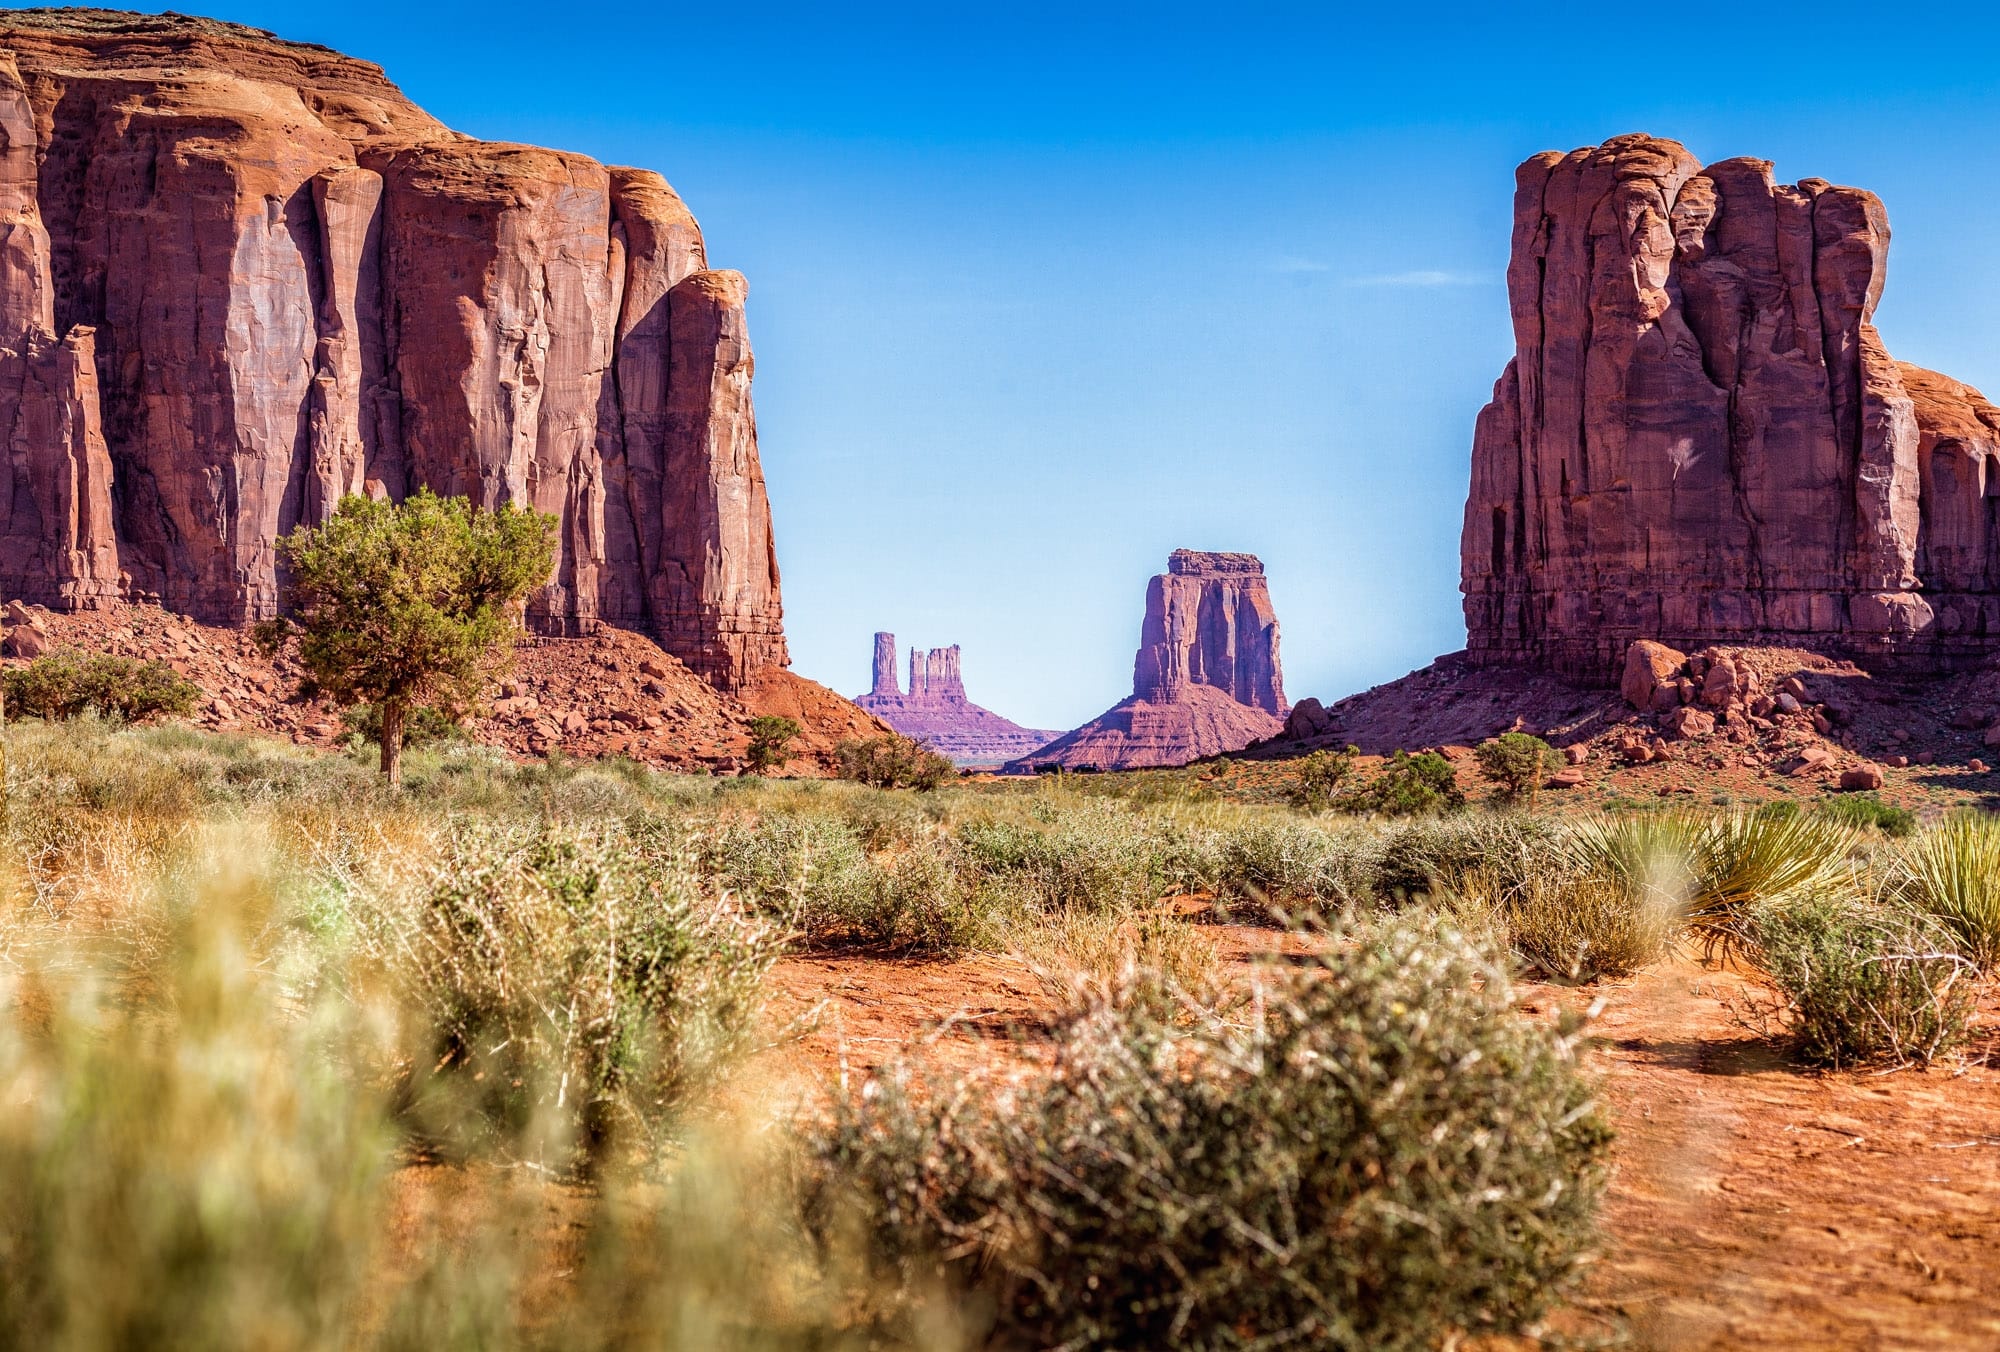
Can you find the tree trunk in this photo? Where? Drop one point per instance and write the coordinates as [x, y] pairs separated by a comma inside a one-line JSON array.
[[392, 740]]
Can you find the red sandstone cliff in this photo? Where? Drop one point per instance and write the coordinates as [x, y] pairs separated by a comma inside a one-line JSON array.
[[240, 277], [1701, 439], [936, 710], [1206, 679]]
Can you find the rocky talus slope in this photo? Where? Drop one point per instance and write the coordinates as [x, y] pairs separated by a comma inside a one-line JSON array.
[[1206, 679], [1702, 440], [935, 709], [611, 692], [241, 277]]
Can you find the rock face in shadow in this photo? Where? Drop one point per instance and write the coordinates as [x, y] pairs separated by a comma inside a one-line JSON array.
[[1701, 439], [1206, 679], [936, 711], [241, 277]]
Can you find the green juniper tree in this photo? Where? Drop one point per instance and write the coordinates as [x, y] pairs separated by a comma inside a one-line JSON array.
[[402, 604]]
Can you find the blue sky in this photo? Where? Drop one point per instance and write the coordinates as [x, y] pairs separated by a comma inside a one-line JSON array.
[[1041, 293]]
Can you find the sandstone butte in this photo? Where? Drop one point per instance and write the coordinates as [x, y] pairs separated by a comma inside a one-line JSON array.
[[1206, 679], [241, 277], [1701, 439], [937, 712]]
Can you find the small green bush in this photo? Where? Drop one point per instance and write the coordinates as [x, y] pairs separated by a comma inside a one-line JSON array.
[[68, 684], [1321, 776], [771, 738], [806, 866], [1859, 982], [1413, 786], [1516, 764], [1863, 810], [892, 762], [1388, 1156]]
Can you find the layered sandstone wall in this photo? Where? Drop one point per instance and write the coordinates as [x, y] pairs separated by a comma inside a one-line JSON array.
[[1701, 438], [241, 277]]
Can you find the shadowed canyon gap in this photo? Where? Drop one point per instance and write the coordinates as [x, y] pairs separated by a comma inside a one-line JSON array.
[[241, 277], [1701, 439]]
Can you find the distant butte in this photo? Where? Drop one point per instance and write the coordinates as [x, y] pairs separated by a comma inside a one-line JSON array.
[[1206, 679], [937, 711]]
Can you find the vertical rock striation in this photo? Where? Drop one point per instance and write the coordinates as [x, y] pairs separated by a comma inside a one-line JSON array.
[[242, 277], [1701, 438]]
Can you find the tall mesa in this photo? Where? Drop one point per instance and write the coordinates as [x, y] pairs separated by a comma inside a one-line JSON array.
[[1701, 438], [241, 277]]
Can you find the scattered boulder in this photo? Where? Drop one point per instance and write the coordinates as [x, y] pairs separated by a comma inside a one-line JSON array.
[[1576, 754], [1569, 778], [1861, 777], [1684, 722], [25, 640], [1808, 760], [1787, 702], [1308, 718], [1976, 765], [1650, 681]]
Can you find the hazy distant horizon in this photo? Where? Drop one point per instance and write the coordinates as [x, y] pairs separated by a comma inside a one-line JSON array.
[[1039, 296]]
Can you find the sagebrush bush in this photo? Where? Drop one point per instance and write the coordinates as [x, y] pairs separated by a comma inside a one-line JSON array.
[[1412, 786], [68, 684], [1580, 926], [1857, 981], [578, 986], [1286, 864], [1386, 1155], [1421, 858]]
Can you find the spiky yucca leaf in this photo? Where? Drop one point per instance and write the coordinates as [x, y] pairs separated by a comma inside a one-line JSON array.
[[1714, 867], [1952, 872]]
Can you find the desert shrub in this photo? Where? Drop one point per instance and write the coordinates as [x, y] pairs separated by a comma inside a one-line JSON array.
[[577, 986], [1321, 776], [916, 901], [1088, 854], [1412, 786], [184, 1163], [1859, 982], [1863, 810], [1281, 862], [423, 725], [1388, 1154], [1516, 764], [1952, 872], [806, 866], [1579, 927], [1422, 857], [1148, 958], [68, 684], [892, 762], [771, 738]]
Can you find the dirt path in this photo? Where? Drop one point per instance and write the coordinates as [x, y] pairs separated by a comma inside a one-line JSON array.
[[1754, 1205]]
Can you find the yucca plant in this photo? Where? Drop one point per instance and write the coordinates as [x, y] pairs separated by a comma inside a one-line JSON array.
[[1715, 867], [1952, 872]]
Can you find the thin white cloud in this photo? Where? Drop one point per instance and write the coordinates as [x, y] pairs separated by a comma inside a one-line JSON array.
[[1422, 277]]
